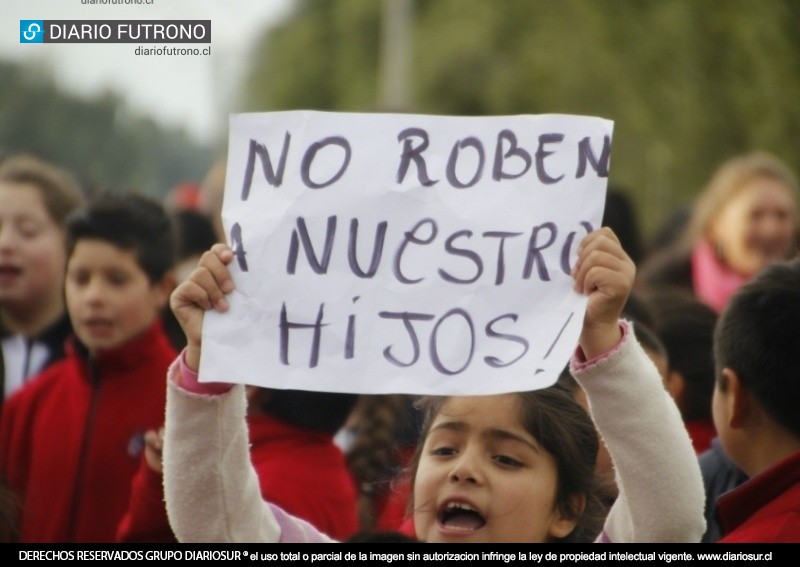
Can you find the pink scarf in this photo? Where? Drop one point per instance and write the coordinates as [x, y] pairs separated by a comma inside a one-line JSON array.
[[714, 283]]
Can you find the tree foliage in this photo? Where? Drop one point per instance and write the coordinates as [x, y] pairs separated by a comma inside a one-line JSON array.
[[688, 83], [98, 139]]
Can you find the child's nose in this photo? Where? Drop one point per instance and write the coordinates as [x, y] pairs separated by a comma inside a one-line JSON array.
[[466, 469], [7, 235], [95, 290]]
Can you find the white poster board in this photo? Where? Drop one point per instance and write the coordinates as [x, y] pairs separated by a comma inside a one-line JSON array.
[[398, 253]]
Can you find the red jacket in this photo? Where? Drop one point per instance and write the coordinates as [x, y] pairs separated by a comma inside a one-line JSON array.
[[300, 470], [72, 438], [766, 508], [701, 432], [305, 473], [392, 506]]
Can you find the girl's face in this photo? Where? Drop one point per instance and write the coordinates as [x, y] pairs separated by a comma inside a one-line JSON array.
[[109, 296], [32, 255], [757, 226], [483, 478]]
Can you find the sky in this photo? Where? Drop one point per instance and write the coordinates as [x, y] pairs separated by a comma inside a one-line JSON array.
[[193, 92]]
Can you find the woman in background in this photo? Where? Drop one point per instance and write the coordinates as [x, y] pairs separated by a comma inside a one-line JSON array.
[[745, 218]]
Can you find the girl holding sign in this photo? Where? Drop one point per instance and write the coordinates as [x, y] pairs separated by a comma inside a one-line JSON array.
[[515, 467]]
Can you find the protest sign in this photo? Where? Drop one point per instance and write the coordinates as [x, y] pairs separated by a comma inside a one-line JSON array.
[[399, 253]]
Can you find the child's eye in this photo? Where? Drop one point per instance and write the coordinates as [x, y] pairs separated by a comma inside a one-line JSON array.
[[443, 451], [507, 461], [117, 278], [29, 229], [78, 277]]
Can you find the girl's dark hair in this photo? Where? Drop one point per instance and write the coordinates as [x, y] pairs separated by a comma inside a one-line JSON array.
[[368, 536], [553, 417], [130, 222], [387, 424]]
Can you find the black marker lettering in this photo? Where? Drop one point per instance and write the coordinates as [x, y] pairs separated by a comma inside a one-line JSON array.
[[495, 362], [411, 237], [541, 154], [585, 153], [470, 254], [513, 150], [453, 161], [350, 335], [407, 318], [534, 255], [285, 326], [319, 266], [566, 250], [377, 249], [238, 246], [558, 336], [274, 178], [501, 264], [437, 362], [311, 153], [414, 153]]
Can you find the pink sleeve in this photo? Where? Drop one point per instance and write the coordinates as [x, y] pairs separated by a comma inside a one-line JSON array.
[[187, 380], [579, 361], [297, 530]]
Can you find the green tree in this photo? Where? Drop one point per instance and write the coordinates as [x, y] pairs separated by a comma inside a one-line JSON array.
[[98, 139], [688, 83]]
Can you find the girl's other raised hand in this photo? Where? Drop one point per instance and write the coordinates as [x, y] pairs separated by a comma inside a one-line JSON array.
[[204, 289], [605, 273]]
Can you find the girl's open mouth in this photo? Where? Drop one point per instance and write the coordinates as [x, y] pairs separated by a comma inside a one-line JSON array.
[[460, 516]]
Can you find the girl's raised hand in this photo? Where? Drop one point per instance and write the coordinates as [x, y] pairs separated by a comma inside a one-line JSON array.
[[605, 273], [204, 289]]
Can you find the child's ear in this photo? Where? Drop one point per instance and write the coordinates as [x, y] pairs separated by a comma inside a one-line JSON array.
[[737, 399], [563, 524], [164, 287], [675, 385]]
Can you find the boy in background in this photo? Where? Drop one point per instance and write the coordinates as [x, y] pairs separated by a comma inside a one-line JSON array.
[[685, 326], [755, 406], [72, 438]]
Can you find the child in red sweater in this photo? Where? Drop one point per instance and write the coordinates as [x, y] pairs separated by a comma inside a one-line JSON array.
[[292, 448], [72, 438], [756, 342]]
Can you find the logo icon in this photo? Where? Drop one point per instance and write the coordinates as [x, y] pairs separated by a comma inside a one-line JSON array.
[[31, 31]]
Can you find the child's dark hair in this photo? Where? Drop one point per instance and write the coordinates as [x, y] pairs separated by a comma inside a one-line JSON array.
[[324, 412], [194, 233], [758, 337], [131, 222], [553, 417], [686, 327], [638, 310], [650, 340]]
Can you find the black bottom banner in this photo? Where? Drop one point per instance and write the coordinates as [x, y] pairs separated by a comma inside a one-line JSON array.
[[510, 555]]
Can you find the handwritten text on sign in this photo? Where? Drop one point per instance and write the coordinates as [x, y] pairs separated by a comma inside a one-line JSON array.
[[390, 253]]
